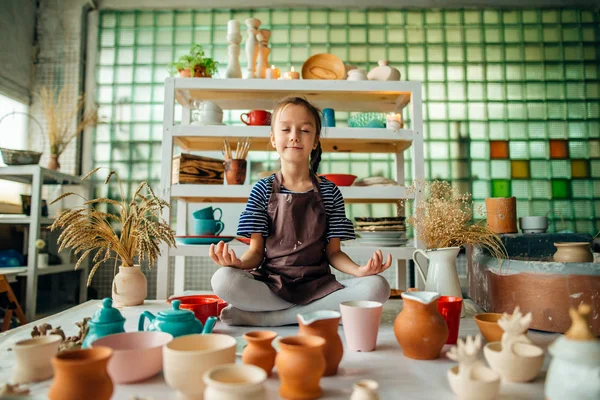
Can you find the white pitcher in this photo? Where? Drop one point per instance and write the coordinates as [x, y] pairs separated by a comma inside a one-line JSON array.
[[442, 276]]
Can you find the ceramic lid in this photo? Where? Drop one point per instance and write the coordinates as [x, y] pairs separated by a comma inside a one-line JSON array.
[[107, 314], [175, 314]]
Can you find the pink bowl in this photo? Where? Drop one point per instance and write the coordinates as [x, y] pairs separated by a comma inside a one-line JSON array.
[[137, 356]]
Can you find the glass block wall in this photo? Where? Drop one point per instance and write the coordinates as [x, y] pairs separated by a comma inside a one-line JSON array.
[[511, 96]]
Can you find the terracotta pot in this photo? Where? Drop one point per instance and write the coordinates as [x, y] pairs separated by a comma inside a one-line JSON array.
[[300, 364], [324, 324], [129, 287], [488, 326], [420, 329], [235, 382], [81, 374], [260, 351], [33, 357], [199, 72], [501, 214], [235, 171], [53, 162], [573, 252]]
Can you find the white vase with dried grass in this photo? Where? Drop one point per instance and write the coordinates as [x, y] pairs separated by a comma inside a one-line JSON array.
[[89, 231], [61, 112]]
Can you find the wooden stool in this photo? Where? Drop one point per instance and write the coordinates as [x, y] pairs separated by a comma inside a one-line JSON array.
[[13, 304]]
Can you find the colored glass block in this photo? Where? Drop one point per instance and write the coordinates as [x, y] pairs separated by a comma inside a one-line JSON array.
[[580, 168], [519, 169], [499, 149], [500, 188], [561, 189], [559, 149]]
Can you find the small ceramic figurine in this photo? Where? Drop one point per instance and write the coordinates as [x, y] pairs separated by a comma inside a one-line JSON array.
[[234, 70], [471, 380], [514, 358], [383, 72], [574, 372], [252, 46]]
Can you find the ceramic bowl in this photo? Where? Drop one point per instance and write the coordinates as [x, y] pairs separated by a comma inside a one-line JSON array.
[[520, 365], [340, 179], [221, 304], [483, 385], [488, 325], [323, 66], [137, 356], [231, 381], [533, 224]]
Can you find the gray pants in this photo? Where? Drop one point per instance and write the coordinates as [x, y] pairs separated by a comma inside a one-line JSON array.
[[253, 303]]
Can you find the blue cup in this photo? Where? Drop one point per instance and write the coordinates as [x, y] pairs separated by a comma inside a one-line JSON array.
[[204, 227], [328, 117], [208, 213]]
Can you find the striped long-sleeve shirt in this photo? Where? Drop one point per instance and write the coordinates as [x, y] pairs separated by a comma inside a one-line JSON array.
[[255, 218]]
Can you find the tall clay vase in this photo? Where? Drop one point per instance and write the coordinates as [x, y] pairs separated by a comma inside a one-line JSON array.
[[300, 364], [260, 351], [501, 214], [129, 287], [324, 324], [419, 328], [53, 162], [82, 374], [33, 357]]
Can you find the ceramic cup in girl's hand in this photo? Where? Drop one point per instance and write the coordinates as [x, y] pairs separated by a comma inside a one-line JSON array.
[[361, 324]]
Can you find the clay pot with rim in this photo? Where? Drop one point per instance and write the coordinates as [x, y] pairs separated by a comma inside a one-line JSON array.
[[324, 324], [235, 382], [129, 287], [33, 357], [569, 252], [419, 328], [235, 171], [501, 214], [199, 72], [82, 374], [260, 351], [300, 364]]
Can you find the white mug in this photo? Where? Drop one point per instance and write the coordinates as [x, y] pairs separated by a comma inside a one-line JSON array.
[[205, 105], [208, 117]]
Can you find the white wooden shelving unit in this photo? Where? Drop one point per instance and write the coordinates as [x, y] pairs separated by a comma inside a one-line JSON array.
[[37, 177], [247, 94]]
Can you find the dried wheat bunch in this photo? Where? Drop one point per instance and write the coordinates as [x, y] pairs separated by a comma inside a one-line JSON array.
[[443, 217], [87, 230], [60, 112]]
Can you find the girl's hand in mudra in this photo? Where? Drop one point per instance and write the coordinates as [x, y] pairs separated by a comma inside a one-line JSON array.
[[222, 255], [375, 265]]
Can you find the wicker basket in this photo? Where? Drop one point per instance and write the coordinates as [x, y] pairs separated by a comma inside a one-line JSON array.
[[20, 157]]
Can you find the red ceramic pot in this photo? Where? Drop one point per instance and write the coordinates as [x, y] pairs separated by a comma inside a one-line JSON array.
[[340, 179], [221, 304]]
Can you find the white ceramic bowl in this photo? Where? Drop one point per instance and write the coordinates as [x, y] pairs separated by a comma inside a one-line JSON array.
[[533, 224], [521, 365]]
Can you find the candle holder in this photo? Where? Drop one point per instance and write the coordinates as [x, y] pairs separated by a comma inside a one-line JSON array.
[[291, 74], [394, 121]]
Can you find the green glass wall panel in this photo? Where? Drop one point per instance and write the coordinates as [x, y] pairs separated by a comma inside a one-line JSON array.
[[529, 78]]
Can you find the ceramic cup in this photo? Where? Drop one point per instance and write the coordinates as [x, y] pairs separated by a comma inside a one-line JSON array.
[[205, 105], [208, 213], [256, 117], [208, 117], [208, 227], [201, 307], [361, 324], [187, 358], [328, 117], [235, 171], [451, 307], [33, 357]]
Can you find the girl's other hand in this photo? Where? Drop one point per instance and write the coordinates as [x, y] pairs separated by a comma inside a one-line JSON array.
[[222, 255], [375, 265]]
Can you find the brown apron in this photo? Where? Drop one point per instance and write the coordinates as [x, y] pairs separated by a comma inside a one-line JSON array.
[[296, 266]]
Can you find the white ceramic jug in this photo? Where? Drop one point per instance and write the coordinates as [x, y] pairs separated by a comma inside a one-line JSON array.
[[442, 276]]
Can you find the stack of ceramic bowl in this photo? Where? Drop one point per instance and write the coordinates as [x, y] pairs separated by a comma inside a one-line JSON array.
[[381, 232]]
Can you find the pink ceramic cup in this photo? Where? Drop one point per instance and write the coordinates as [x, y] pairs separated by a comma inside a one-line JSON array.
[[361, 324]]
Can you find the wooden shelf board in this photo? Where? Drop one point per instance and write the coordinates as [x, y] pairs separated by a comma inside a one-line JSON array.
[[21, 219], [24, 174], [343, 140]]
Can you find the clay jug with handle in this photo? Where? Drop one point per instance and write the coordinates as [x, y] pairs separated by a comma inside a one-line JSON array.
[[419, 328], [324, 324]]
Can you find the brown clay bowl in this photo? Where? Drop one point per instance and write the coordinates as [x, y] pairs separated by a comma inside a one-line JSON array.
[[488, 325]]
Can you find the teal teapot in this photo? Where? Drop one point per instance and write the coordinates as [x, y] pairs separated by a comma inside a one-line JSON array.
[[106, 321], [176, 322]]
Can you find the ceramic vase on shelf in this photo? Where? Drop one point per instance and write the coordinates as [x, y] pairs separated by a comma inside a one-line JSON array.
[[53, 162], [501, 214], [442, 276], [129, 287], [300, 364], [262, 64], [383, 72], [260, 351], [568, 252], [234, 38], [324, 324], [82, 374], [419, 328], [252, 46], [32, 358], [235, 382]]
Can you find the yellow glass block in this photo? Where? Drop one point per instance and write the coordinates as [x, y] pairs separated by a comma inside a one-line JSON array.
[[519, 169], [580, 169]]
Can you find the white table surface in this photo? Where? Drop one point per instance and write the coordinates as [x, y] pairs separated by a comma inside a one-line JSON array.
[[399, 377]]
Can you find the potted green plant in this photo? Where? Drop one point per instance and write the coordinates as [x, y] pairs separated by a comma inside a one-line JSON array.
[[195, 60]]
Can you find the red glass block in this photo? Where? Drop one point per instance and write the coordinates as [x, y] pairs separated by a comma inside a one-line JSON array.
[[499, 149], [559, 149]]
